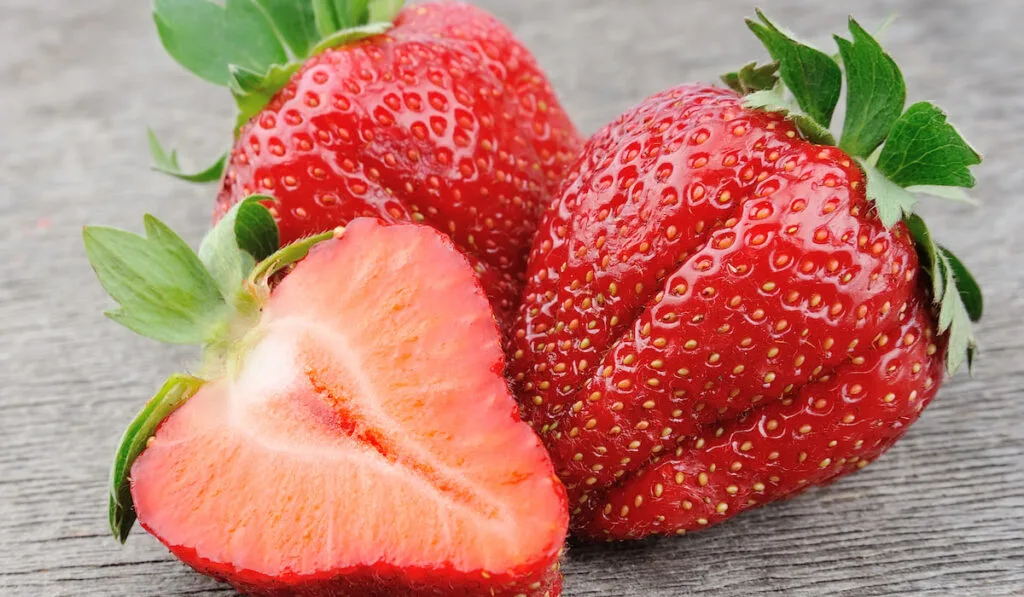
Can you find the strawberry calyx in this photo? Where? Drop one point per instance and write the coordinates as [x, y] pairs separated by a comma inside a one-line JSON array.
[[904, 152], [211, 297], [176, 391], [253, 47]]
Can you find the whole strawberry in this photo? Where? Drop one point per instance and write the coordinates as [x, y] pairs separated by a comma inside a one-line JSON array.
[[435, 114], [723, 308], [323, 447]]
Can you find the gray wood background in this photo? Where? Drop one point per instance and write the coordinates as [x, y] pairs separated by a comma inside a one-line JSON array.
[[942, 514]]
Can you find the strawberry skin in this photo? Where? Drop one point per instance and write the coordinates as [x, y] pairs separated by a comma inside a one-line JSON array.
[[714, 319], [445, 119], [341, 457]]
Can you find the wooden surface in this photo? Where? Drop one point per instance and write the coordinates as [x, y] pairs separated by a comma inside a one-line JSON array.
[[942, 514]]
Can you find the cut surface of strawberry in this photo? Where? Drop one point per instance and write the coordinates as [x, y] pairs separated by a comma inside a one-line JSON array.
[[361, 439]]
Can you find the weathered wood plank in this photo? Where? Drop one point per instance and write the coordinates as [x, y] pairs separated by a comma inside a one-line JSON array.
[[942, 514]]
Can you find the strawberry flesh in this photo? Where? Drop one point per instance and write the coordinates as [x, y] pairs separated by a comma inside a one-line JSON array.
[[367, 444]]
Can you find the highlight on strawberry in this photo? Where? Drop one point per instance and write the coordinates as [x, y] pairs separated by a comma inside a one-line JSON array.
[[727, 305], [434, 113], [348, 430]]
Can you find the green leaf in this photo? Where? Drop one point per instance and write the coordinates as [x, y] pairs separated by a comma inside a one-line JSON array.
[[752, 78], [252, 40], [288, 255], [953, 290], [194, 32], [208, 38], [162, 287], [923, 149], [253, 91], [294, 24], [255, 229], [168, 163], [954, 321], [928, 252], [892, 202], [245, 235], [966, 285], [947, 304], [174, 393], [812, 76], [875, 92], [385, 11], [333, 15], [774, 100], [352, 34], [950, 193], [253, 47]]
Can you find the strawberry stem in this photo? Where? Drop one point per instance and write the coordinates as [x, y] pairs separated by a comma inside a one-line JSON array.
[[259, 278]]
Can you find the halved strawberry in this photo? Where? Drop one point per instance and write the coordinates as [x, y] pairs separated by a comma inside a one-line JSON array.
[[356, 435]]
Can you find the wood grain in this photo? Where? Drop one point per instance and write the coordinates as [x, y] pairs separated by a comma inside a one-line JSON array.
[[942, 514]]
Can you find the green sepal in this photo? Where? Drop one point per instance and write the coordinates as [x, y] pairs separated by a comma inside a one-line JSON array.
[[350, 35], [245, 235], [812, 76], [875, 92], [163, 289], [256, 231], [752, 78], [902, 155], [288, 255], [384, 11], [333, 15], [253, 91], [207, 38], [924, 149], [892, 202], [956, 194], [954, 321], [775, 100], [168, 163], [294, 24], [954, 292], [928, 252], [193, 33], [966, 285], [176, 391], [253, 47]]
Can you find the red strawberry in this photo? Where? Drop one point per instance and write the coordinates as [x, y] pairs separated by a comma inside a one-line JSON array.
[[328, 448], [443, 118], [721, 312]]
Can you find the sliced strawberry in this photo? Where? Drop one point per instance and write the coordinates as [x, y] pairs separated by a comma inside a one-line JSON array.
[[365, 443]]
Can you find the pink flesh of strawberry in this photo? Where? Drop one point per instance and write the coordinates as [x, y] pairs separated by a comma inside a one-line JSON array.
[[368, 435]]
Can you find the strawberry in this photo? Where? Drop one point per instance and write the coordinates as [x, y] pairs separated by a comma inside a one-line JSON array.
[[724, 308], [325, 447], [435, 114]]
